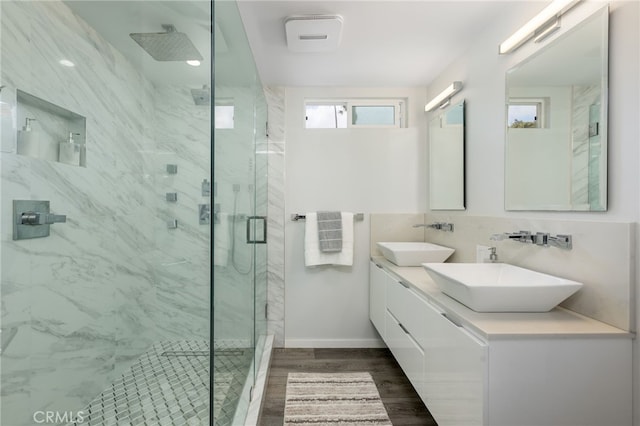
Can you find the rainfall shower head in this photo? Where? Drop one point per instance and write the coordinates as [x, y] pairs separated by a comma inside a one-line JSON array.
[[201, 96], [167, 46]]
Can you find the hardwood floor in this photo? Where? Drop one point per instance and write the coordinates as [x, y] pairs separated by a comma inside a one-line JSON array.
[[401, 401]]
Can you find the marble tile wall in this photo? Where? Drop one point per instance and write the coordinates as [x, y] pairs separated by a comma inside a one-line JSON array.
[[113, 279], [276, 212], [181, 257], [583, 97], [603, 255]]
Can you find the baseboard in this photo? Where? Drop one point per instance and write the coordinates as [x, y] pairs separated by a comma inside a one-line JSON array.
[[334, 343]]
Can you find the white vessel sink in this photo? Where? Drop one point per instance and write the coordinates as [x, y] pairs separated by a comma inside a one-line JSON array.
[[499, 287], [414, 253]]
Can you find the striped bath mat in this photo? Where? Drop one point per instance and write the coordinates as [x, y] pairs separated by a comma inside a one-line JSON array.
[[349, 399]]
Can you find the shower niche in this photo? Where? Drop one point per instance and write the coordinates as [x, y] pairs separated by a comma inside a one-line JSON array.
[[49, 132]]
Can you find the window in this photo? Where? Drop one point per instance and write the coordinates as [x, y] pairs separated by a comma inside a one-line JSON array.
[[326, 116], [373, 115], [354, 113], [223, 115], [526, 113]]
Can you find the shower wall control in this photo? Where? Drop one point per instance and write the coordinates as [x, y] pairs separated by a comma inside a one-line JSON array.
[[172, 224], [206, 188], [172, 197], [32, 218], [216, 213], [204, 214]]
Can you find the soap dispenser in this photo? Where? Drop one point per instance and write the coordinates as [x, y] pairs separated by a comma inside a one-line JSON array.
[[28, 143], [70, 151]]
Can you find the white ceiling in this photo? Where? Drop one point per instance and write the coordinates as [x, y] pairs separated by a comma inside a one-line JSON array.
[[384, 43]]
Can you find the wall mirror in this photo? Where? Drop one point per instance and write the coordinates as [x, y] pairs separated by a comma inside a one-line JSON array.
[[446, 159], [556, 136]]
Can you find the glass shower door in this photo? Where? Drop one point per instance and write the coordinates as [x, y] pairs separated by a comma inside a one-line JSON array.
[[240, 202], [107, 319]]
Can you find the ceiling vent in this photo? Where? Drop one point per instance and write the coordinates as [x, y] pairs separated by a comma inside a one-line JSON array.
[[313, 33]]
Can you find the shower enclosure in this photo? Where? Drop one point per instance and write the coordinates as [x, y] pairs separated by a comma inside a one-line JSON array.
[[143, 302]]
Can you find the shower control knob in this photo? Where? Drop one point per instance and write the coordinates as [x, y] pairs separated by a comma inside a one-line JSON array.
[[35, 218]]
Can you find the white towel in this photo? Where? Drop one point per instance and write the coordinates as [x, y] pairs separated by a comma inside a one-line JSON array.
[[221, 240], [312, 254]]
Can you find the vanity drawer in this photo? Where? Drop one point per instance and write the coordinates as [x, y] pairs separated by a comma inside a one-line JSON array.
[[408, 308], [406, 351]]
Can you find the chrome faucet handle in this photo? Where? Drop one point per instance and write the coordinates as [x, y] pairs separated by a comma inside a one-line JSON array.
[[37, 218], [447, 227], [562, 241], [540, 239]]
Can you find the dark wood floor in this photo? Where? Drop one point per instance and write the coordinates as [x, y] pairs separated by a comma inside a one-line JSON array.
[[401, 401]]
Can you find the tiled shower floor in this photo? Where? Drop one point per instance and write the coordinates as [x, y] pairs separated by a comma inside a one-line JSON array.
[[169, 385]]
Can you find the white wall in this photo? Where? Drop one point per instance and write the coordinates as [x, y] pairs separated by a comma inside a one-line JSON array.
[[483, 71], [357, 170]]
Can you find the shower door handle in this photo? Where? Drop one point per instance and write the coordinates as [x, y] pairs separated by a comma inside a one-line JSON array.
[[252, 239]]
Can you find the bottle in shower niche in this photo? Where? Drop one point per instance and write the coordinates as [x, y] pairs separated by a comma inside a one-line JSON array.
[[69, 151], [28, 143]]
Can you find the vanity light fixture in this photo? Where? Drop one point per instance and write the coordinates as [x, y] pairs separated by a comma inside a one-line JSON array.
[[547, 30], [444, 96], [546, 16]]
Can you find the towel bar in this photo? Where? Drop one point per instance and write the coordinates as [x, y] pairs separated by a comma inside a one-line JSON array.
[[297, 216]]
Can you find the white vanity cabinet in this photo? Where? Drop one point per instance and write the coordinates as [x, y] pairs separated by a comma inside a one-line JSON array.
[[455, 371], [378, 278], [391, 309], [565, 375], [406, 316]]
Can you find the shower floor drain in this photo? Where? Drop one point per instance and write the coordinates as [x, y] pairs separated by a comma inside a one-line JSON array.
[[169, 385]]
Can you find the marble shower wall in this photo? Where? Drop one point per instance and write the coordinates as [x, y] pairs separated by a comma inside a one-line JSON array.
[[104, 286], [181, 257], [276, 213], [583, 98]]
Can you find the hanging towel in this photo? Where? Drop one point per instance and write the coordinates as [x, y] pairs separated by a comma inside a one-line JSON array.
[[330, 231], [312, 254], [221, 240]]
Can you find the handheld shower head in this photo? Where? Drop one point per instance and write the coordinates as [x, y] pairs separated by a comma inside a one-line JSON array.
[[170, 45]]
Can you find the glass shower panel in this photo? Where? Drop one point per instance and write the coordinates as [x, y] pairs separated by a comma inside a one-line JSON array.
[[107, 320], [261, 157], [239, 254]]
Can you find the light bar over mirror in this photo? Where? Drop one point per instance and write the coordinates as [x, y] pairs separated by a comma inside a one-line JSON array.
[[444, 96]]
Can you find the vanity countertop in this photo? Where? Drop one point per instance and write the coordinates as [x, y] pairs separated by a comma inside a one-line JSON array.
[[559, 322]]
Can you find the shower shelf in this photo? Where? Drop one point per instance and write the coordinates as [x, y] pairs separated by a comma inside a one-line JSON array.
[[53, 124]]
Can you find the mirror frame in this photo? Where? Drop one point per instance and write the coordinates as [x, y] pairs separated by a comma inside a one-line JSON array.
[[459, 201], [601, 16]]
